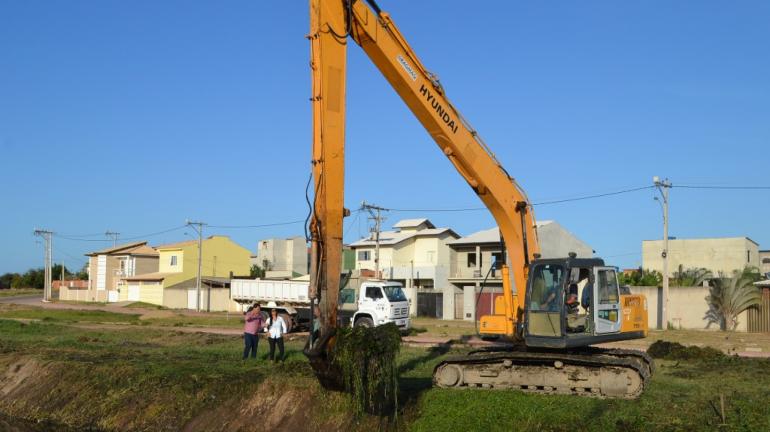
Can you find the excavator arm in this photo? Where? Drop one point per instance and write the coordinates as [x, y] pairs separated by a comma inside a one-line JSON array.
[[332, 24]]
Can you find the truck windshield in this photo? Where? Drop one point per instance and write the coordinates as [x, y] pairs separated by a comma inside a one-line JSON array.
[[394, 293]]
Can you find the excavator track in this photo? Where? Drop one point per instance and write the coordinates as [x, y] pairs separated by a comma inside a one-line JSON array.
[[591, 372]]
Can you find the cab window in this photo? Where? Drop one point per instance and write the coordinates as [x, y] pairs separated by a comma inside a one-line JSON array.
[[608, 287], [373, 293], [546, 286]]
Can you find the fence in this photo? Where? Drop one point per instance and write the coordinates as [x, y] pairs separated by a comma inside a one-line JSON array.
[[758, 317]]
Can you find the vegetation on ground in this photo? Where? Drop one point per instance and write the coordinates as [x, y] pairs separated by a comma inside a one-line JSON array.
[[367, 359], [138, 378], [67, 315], [13, 292]]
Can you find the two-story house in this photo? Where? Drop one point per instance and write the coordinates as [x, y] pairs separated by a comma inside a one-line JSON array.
[[174, 285], [473, 256], [107, 267], [415, 253]]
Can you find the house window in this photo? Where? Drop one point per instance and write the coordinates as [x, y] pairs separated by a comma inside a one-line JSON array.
[[173, 261], [748, 256], [497, 259], [364, 255], [472, 260], [431, 255]]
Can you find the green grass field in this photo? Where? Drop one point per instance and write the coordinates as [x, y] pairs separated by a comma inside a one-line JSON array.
[[19, 292], [169, 376]]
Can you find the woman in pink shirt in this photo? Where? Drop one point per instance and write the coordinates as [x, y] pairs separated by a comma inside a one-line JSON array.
[[253, 324]]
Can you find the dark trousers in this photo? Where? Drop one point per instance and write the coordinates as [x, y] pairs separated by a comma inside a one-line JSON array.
[[273, 343], [250, 343]]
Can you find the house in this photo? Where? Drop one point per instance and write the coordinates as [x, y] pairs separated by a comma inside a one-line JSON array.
[[472, 258], [416, 254], [720, 255], [107, 267], [764, 263], [174, 285], [282, 258]]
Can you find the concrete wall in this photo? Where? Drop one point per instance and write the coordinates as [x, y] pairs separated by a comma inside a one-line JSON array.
[[716, 254], [687, 307], [288, 256], [557, 242]]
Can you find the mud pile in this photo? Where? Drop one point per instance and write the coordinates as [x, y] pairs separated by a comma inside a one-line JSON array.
[[676, 351]]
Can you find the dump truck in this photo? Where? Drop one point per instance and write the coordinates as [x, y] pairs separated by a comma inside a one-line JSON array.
[[374, 303]]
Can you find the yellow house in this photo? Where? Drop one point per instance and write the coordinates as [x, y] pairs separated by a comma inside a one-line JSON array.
[[174, 284]]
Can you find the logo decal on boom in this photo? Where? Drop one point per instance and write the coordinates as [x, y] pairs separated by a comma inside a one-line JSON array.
[[442, 113], [407, 68]]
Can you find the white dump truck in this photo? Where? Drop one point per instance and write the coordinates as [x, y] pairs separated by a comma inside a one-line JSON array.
[[376, 302]]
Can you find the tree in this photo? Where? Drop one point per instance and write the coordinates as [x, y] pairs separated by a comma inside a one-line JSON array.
[[729, 296], [6, 280], [640, 277], [691, 276], [33, 278], [256, 271], [83, 273], [56, 271]]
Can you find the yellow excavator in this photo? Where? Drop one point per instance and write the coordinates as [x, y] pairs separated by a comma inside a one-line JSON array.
[[552, 348]]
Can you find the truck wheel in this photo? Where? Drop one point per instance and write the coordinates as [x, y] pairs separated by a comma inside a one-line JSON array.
[[289, 322], [364, 322]]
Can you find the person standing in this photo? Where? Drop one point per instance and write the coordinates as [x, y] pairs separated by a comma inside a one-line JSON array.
[[251, 327], [276, 328]]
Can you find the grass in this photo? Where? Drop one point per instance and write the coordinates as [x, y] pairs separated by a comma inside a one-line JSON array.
[[19, 292], [169, 377], [69, 315], [234, 320]]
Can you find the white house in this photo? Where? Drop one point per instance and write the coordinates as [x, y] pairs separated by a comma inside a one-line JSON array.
[[416, 254]]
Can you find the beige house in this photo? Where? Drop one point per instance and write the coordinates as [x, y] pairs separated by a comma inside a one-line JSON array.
[[764, 262], [416, 254], [720, 255], [174, 285], [282, 258], [473, 256], [107, 267]]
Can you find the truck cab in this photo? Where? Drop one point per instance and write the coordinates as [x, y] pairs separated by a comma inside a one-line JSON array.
[[376, 302]]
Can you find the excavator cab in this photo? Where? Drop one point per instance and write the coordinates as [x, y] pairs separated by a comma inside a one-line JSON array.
[[552, 318]]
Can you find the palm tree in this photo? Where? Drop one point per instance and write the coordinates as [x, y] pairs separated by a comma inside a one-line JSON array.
[[691, 276], [729, 296]]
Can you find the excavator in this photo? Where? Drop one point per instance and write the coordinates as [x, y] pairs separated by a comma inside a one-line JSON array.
[[551, 342]]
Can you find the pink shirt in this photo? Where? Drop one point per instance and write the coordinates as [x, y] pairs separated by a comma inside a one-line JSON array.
[[254, 322]]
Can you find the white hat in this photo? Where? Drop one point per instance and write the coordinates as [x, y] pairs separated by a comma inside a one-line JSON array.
[[272, 304]]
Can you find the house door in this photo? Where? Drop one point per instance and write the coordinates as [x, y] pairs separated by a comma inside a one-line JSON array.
[[459, 305], [112, 296], [133, 292]]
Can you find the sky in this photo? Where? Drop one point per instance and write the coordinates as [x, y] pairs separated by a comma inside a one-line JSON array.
[[137, 116]]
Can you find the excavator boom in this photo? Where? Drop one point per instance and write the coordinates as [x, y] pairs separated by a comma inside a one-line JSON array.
[[333, 23]]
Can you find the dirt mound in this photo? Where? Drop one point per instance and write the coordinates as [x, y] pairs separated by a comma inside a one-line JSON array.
[[17, 372], [676, 351]]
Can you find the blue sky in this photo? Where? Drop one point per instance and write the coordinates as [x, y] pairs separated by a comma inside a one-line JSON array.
[[135, 116]]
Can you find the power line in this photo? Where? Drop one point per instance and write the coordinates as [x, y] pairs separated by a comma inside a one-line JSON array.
[[593, 196], [257, 226], [723, 187]]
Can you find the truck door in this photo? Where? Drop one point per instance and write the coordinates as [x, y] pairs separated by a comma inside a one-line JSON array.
[[606, 301], [374, 300]]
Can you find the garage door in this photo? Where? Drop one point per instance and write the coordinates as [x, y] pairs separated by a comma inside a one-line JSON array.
[[191, 303], [133, 293]]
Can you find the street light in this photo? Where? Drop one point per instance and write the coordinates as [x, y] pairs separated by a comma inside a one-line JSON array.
[[663, 188]]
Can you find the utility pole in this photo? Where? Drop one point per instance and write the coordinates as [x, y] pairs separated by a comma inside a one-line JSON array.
[[375, 213], [663, 187], [46, 234], [114, 236], [199, 230]]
